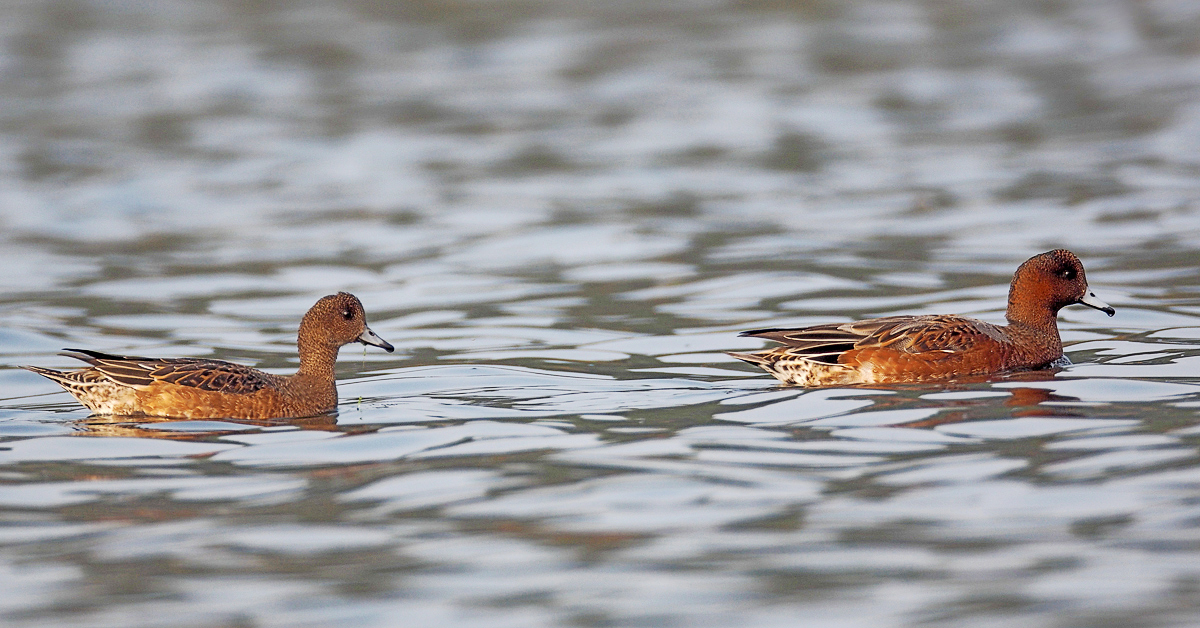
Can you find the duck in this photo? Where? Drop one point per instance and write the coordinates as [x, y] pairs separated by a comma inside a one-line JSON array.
[[901, 349], [198, 388]]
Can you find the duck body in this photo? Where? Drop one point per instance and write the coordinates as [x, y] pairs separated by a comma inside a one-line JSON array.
[[900, 349], [196, 388], [189, 388]]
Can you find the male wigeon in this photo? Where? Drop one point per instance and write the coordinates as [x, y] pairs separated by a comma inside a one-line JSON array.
[[193, 388], [901, 349]]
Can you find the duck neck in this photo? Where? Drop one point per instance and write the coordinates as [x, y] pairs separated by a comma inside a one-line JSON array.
[[1038, 325], [1029, 307], [1043, 320], [316, 357]]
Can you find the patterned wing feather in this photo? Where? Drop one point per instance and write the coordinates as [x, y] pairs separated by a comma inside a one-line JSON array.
[[211, 375], [907, 334], [821, 343], [925, 334]]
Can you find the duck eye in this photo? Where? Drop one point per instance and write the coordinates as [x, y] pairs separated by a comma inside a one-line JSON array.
[[1067, 273], [347, 314]]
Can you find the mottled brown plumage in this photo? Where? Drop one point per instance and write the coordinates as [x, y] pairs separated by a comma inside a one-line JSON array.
[[900, 349], [195, 388]]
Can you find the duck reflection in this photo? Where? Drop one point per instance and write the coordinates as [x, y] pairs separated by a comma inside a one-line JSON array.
[[175, 429], [1029, 401], [1025, 401]]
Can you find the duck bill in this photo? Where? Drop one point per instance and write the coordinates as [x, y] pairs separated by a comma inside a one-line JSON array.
[[368, 337], [1089, 299]]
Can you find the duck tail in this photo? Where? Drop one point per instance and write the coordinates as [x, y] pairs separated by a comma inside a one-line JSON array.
[[57, 376], [757, 359], [62, 378]]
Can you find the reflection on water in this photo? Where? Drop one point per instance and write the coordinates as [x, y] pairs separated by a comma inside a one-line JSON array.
[[562, 214]]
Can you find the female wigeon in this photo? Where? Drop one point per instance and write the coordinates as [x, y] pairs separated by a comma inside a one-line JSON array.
[[900, 349], [192, 388]]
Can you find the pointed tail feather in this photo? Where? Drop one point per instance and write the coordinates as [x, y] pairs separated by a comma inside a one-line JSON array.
[[58, 376], [67, 379], [756, 359], [95, 357]]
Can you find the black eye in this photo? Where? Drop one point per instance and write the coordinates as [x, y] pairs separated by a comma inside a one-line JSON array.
[[1067, 273], [347, 314]]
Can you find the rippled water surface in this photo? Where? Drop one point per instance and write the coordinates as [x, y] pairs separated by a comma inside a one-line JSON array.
[[561, 213]]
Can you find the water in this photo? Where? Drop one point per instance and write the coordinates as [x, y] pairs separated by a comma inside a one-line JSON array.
[[561, 214]]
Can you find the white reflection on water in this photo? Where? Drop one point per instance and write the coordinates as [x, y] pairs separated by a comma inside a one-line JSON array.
[[56, 494], [429, 489]]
